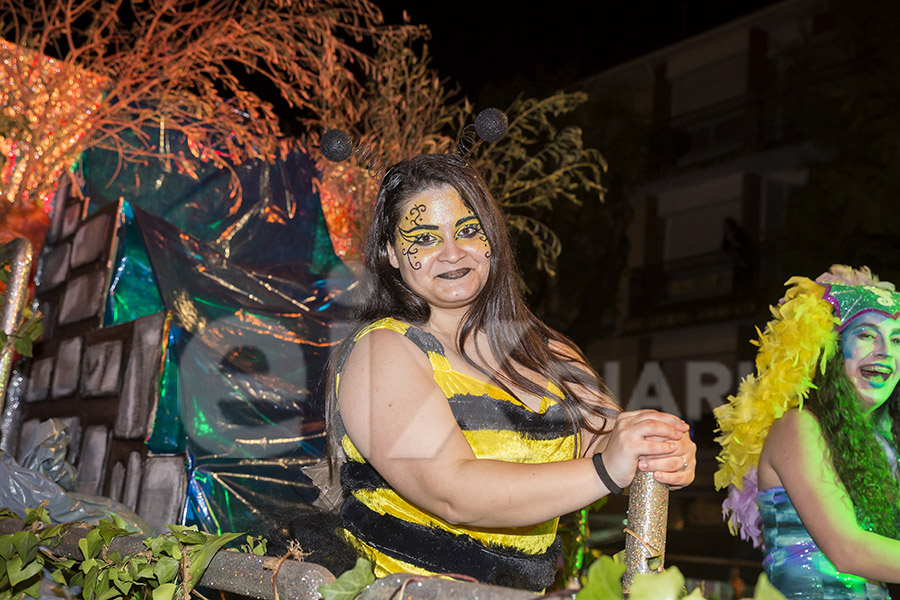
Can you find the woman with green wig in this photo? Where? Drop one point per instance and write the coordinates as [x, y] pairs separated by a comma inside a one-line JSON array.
[[809, 443]]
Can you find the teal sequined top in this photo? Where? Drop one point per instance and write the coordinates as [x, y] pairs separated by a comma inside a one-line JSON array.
[[794, 563]]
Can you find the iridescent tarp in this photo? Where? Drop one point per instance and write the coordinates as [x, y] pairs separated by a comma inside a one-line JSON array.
[[132, 290], [256, 294]]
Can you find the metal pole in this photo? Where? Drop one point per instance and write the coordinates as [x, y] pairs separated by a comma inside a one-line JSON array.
[[17, 254], [645, 539]]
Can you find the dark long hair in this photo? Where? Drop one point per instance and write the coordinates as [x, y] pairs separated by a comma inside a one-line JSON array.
[[517, 338], [849, 433]]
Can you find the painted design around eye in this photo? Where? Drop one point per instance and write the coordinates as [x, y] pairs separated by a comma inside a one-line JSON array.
[[411, 237], [471, 229]]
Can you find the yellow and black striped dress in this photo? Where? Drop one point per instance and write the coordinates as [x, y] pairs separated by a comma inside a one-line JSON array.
[[400, 537]]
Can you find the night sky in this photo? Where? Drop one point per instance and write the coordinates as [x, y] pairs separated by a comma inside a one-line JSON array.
[[496, 51]]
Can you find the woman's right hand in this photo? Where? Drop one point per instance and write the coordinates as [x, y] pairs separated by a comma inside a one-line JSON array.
[[644, 435]]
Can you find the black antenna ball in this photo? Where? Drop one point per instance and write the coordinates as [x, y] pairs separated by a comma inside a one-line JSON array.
[[491, 124], [336, 145]]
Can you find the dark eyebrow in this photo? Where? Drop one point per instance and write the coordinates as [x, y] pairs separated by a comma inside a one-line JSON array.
[[464, 219], [418, 227]]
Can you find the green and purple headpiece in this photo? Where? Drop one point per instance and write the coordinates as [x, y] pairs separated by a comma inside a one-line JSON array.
[[851, 301]]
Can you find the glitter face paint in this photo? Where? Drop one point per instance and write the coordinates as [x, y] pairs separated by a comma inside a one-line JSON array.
[[870, 345], [441, 249]]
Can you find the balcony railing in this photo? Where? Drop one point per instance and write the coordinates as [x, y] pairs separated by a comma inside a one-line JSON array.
[[703, 280], [752, 121]]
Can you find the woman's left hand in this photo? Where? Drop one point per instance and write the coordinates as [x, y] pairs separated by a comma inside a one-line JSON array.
[[676, 469]]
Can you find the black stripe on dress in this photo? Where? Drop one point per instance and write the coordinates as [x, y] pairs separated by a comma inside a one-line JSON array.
[[440, 551], [481, 412]]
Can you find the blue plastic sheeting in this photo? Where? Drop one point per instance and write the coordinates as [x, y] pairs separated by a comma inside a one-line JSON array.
[[257, 297]]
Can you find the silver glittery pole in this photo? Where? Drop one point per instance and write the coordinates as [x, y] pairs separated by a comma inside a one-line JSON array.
[[17, 254], [645, 536]]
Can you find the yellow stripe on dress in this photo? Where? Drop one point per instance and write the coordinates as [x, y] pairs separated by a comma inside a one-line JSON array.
[[511, 446], [453, 383], [350, 450], [530, 540], [383, 564], [385, 323]]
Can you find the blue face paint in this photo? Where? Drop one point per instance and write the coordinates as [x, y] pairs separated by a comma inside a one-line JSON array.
[[870, 345]]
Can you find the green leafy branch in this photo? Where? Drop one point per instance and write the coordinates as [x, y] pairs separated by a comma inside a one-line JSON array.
[[351, 583], [169, 568], [537, 164]]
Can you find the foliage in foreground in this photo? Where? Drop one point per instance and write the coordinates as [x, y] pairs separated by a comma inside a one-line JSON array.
[[170, 567], [174, 562], [602, 581]]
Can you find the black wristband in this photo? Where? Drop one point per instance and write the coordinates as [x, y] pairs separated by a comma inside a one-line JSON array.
[[603, 474]]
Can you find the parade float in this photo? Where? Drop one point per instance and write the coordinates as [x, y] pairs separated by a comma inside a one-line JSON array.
[[189, 263]]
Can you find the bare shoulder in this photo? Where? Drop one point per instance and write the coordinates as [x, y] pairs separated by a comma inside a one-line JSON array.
[[380, 359], [384, 346], [794, 449], [384, 385], [793, 426]]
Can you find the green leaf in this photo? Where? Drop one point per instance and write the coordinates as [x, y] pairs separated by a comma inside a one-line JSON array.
[[118, 521], [34, 590], [603, 580], [26, 545], [39, 514], [131, 569], [102, 584], [5, 513], [351, 583], [111, 592], [90, 581], [35, 329], [166, 569], [146, 572], [200, 557], [164, 544], [49, 533], [123, 586], [19, 571], [6, 546], [59, 577], [3, 337], [255, 546], [668, 585], [188, 534], [95, 542], [153, 544], [109, 532], [87, 565], [765, 590], [164, 592], [24, 347]]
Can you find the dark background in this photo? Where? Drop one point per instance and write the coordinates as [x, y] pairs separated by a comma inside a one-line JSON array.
[[498, 50]]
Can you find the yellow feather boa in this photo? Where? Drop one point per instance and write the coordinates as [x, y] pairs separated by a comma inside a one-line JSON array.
[[800, 338]]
